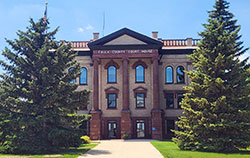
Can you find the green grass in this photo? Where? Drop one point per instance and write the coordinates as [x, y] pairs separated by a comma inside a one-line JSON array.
[[67, 153], [170, 150]]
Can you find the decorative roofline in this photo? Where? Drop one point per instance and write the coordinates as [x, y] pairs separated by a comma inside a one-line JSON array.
[[189, 42]]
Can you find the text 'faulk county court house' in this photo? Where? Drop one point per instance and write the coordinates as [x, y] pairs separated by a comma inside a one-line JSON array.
[[136, 83]]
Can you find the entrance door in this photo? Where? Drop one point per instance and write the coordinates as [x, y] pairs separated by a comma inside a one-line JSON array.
[[169, 125], [140, 129], [112, 128]]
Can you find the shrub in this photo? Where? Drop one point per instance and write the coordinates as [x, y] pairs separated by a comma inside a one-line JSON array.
[[85, 139], [125, 135]]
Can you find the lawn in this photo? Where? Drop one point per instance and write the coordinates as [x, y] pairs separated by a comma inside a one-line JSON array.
[[170, 150], [69, 153]]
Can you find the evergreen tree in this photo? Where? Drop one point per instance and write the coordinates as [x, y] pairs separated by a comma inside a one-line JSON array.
[[38, 102], [217, 103]]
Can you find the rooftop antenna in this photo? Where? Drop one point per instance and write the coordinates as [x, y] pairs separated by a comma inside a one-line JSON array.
[[103, 26]]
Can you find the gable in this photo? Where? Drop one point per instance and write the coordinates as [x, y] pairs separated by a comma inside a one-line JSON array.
[[125, 40]]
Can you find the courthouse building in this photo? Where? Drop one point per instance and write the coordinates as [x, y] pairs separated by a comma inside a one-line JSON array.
[[136, 83]]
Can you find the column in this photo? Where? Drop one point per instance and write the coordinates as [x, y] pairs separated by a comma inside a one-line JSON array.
[[125, 84], [126, 113], [95, 84], [95, 121], [155, 83], [156, 113]]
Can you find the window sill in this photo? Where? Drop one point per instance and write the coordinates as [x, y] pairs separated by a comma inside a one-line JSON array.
[[169, 83], [111, 82], [139, 82], [173, 109], [181, 83], [112, 108], [83, 84], [140, 108]]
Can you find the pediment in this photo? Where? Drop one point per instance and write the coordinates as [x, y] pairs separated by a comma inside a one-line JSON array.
[[111, 89], [125, 40], [125, 37], [140, 89]]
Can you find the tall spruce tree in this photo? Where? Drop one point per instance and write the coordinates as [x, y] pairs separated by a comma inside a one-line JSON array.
[[37, 100], [217, 103]]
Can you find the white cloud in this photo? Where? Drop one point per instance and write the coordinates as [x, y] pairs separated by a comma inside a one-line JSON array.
[[89, 27], [80, 29]]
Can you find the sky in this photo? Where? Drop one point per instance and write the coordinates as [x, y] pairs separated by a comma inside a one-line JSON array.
[[78, 19]]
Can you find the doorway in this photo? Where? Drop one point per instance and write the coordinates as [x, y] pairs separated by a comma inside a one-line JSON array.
[[140, 128], [112, 129]]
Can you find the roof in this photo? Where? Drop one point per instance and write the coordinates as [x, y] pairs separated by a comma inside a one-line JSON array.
[[150, 42], [113, 41]]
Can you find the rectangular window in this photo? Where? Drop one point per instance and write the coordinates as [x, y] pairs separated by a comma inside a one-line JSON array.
[[111, 100], [140, 100], [170, 100], [179, 99]]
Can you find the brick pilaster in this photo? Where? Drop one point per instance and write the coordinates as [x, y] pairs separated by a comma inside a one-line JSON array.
[[126, 113], [156, 113], [95, 121]]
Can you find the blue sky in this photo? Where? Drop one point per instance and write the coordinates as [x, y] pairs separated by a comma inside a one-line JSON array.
[[78, 19]]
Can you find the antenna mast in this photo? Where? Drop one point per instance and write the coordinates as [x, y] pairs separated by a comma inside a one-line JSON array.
[[103, 26]]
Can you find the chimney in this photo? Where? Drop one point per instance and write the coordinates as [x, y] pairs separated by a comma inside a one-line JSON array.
[[155, 34], [189, 42], [95, 36]]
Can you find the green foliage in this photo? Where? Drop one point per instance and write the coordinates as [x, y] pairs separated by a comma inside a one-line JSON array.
[[217, 103], [64, 138], [85, 139], [125, 135], [38, 103], [72, 152], [170, 150]]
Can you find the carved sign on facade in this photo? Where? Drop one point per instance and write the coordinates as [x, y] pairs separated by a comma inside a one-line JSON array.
[[125, 53], [146, 51]]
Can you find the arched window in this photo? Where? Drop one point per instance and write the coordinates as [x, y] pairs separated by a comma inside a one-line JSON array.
[[83, 76], [112, 74], [139, 67], [74, 80], [139, 73], [180, 76], [169, 74]]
